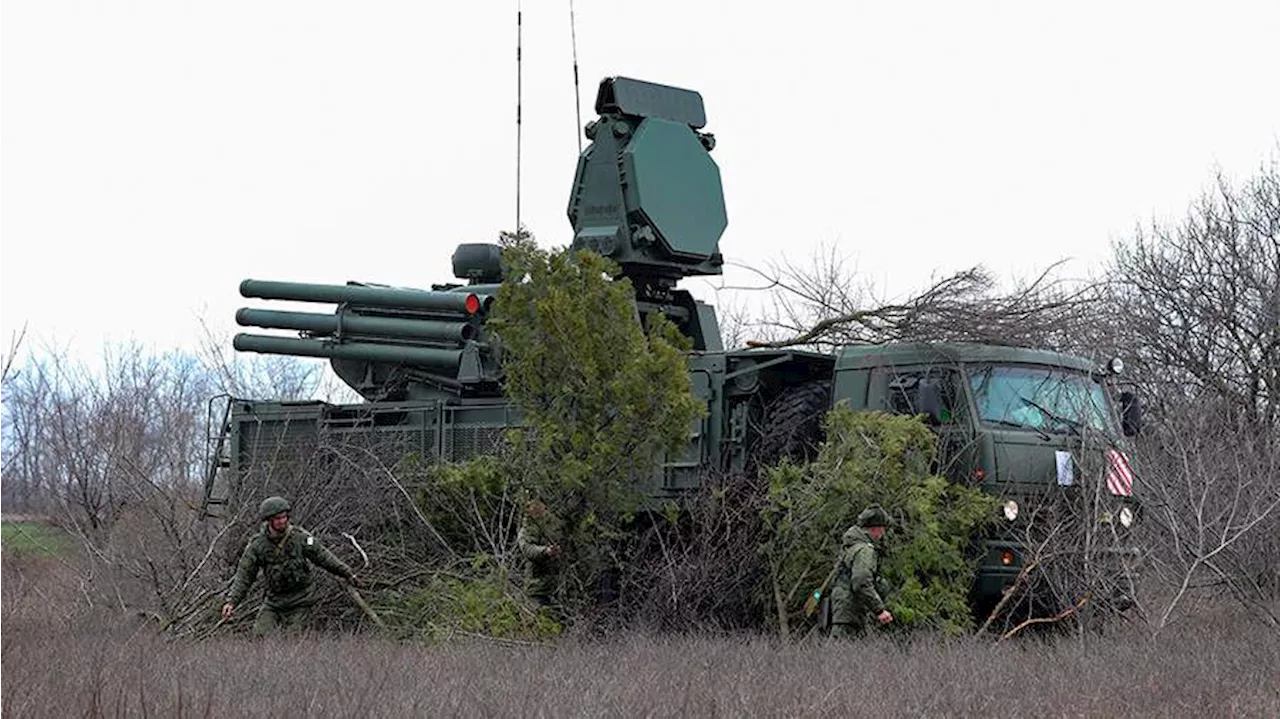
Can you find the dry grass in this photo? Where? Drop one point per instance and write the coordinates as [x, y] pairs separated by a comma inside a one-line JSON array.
[[67, 662], [55, 672]]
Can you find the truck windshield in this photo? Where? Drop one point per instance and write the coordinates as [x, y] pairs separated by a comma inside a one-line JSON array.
[[1040, 399]]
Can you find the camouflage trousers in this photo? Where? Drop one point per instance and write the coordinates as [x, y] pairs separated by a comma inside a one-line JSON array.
[[540, 585], [292, 619], [848, 630]]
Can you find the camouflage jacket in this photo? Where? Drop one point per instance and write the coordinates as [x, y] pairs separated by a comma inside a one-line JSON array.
[[534, 541], [285, 562], [853, 592]]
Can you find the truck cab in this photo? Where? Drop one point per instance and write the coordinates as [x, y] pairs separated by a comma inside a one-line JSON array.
[[1028, 426]]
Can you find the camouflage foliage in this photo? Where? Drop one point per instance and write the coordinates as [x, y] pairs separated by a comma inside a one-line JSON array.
[[601, 398], [925, 558]]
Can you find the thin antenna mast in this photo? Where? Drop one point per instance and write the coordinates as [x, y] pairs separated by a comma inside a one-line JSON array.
[[519, 94], [577, 98]]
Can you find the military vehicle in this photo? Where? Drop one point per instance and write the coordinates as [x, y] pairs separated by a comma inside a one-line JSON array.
[[647, 194], [1026, 425]]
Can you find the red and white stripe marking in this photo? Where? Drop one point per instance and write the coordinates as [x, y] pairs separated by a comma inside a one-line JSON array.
[[1119, 473]]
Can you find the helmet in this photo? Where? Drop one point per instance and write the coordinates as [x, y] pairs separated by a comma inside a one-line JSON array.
[[271, 506], [873, 516]]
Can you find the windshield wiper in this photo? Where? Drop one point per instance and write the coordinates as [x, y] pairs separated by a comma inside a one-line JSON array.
[[1072, 424]]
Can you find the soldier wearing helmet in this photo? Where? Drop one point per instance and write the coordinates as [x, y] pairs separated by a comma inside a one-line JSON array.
[[855, 598], [284, 552]]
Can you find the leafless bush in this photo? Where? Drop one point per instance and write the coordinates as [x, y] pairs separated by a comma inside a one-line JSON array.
[[6, 361], [1213, 512], [824, 306], [95, 442], [414, 529], [1080, 565], [11, 491], [349, 492], [1197, 304], [117, 455], [700, 570]]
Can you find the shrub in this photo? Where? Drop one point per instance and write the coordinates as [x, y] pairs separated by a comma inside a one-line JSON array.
[[866, 458]]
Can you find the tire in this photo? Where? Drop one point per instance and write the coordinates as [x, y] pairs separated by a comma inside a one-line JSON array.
[[792, 426]]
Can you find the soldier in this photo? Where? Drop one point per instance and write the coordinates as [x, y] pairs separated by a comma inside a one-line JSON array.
[[854, 596], [539, 552], [285, 553]]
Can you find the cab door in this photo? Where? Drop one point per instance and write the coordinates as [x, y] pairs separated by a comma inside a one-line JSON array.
[[936, 394]]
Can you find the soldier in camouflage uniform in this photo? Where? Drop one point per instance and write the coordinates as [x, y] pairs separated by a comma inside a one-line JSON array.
[[855, 599], [540, 552], [284, 552]]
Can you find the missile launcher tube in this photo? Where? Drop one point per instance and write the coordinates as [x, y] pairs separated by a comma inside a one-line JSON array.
[[389, 327], [371, 296], [436, 359]]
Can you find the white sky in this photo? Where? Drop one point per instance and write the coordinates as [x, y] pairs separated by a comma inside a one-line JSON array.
[[155, 153]]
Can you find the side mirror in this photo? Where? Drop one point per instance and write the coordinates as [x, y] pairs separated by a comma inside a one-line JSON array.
[[929, 399], [1130, 414]]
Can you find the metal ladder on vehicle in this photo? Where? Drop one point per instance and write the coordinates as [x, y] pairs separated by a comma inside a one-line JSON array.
[[217, 460]]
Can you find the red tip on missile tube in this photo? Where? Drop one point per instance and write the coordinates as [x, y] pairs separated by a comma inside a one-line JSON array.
[[473, 304]]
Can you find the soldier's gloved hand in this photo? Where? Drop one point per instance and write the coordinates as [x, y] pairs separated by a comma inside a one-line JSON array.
[[885, 617], [227, 610], [357, 582]]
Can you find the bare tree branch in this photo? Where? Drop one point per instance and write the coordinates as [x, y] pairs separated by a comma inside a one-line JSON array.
[[822, 306]]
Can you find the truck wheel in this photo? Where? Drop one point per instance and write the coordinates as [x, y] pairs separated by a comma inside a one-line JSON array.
[[792, 426]]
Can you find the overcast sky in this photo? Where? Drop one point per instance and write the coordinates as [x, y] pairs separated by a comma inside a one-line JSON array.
[[155, 153]]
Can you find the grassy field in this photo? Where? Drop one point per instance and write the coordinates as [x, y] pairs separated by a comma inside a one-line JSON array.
[[59, 661], [33, 538]]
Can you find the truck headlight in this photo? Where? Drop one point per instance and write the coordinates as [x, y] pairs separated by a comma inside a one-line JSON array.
[[1011, 510], [1126, 517]]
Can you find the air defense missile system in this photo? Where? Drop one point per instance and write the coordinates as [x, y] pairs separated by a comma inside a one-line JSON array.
[[647, 194]]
